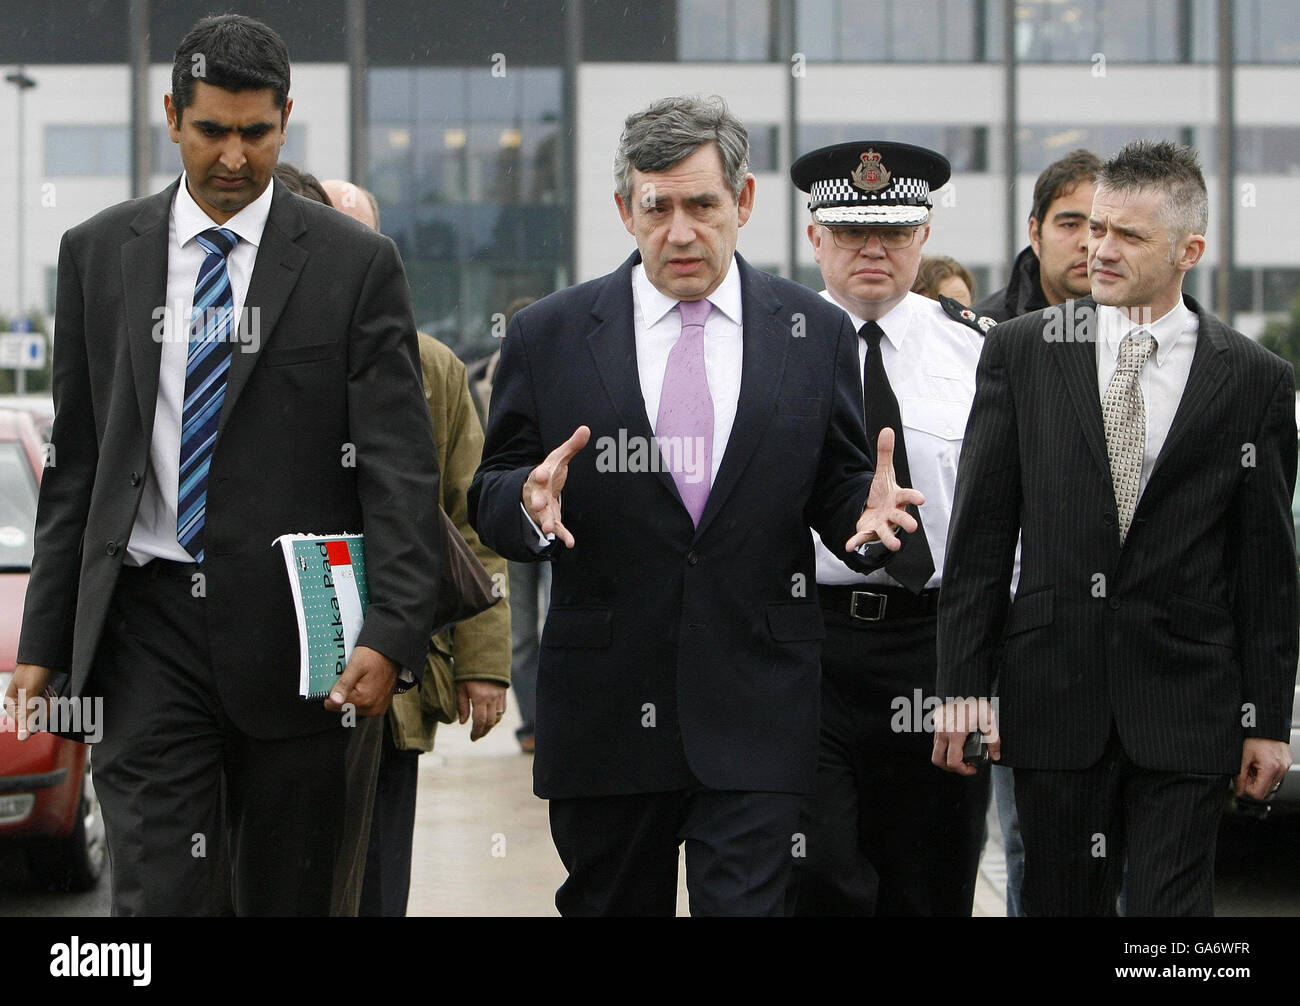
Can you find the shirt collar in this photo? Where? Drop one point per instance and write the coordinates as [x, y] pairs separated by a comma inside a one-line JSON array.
[[655, 304], [191, 221], [895, 324], [1113, 325]]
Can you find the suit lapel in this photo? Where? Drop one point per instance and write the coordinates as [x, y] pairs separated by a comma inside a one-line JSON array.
[[612, 343], [766, 340], [1208, 373], [279, 264], [1078, 364], [144, 288]]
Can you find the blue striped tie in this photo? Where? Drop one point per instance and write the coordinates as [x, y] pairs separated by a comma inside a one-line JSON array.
[[206, 368]]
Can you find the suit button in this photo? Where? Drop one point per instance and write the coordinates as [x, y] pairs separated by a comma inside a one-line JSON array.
[[1108, 518], [1113, 604], [111, 548], [135, 478], [692, 559]]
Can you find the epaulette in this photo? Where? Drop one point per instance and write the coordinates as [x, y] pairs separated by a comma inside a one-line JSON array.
[[958, 311]]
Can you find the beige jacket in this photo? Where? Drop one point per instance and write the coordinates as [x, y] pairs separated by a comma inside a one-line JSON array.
[[477, 649]]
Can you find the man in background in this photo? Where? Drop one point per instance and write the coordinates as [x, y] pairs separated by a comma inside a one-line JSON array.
[[1054, 266], [1050, 270], [468, 665]]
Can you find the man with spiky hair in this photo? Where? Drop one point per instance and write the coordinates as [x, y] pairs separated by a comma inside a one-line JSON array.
[[231, 363], [1147, 455]]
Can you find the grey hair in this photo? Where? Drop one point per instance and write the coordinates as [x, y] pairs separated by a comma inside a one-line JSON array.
[[1165, 167], [670, 130]]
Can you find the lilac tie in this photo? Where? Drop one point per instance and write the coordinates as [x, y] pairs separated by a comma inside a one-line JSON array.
[[684, 430]]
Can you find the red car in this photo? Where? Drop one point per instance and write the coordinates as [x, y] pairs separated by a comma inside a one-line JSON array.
[[47, 801]]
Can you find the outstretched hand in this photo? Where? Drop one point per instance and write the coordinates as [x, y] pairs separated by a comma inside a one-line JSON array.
[[885, 502], [541, 494]]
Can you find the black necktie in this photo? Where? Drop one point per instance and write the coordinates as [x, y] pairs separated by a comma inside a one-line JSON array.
[[914, 565]]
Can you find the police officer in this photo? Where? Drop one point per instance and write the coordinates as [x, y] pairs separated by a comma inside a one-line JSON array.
[[884, 833]]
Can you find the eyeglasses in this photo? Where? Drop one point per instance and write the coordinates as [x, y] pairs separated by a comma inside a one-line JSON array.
[[855, 238]]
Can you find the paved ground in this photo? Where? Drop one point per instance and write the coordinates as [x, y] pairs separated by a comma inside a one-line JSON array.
[[483, 845]]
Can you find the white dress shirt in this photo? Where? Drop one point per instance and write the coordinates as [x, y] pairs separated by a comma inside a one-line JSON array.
[[931, 361], [1162, 379], [656, 326], [154, 533]]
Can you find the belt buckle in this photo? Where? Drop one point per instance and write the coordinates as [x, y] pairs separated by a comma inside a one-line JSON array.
[[862, 603]]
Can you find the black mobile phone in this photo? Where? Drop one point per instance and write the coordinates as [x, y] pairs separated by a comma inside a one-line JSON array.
[[976, 750]]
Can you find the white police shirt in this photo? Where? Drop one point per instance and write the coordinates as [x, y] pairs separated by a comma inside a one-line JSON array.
[[930, 360]]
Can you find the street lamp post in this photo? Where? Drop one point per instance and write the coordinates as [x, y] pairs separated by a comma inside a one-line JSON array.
[[24, 84]]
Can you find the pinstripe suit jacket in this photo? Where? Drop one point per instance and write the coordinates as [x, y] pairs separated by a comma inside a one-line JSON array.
[[1185, 637]]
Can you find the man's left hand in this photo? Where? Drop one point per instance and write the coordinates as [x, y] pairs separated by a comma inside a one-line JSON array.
[[885, 502], [367, 682], [487, 700], [1264, 764]]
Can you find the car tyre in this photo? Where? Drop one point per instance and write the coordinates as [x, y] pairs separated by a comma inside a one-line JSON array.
[[75, 863]]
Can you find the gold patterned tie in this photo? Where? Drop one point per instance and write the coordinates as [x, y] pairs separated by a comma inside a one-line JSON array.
[[1124, 415]]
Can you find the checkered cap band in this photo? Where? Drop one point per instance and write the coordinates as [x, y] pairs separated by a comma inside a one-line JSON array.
[[842, 191], [865, 213]]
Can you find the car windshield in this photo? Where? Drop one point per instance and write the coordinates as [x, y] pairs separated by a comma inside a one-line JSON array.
[[17, 508]]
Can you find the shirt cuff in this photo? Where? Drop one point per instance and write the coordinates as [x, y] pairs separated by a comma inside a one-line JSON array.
[[543, 540]]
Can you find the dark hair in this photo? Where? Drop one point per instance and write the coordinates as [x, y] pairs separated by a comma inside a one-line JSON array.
[[1061, 177], [301, 184], [1164, 167], [937, 268], [233, 52]]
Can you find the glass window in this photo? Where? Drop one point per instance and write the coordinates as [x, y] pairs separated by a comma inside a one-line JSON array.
[[1049, 31], [815, 29], [438, 96], [87, 150], [471, 187], [711, 30], [1139, 31], [1039, 146], [701, 29], [915, 30], [543, 97], [859, 31], [966, 147], [1276, 35], [1260, 150], [389, 95], [749, 30], [764, 153], [1280, 288], [890, 30]]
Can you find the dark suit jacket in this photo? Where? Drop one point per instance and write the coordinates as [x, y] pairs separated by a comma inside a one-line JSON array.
[[336, 365], [672, 654], [1186, 636]]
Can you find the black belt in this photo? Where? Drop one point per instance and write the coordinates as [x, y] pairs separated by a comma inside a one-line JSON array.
[[874, 603]]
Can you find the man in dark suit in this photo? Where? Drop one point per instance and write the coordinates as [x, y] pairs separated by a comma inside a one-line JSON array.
[[678, 679], [1147, 455], [231, 363]]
